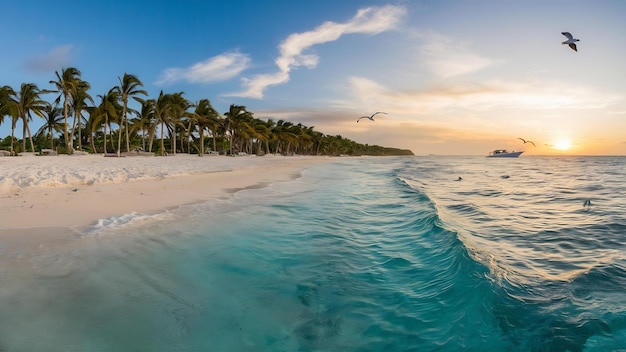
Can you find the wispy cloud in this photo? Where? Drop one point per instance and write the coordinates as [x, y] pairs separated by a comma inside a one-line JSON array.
[[446, 57], [54, 59], [215, 69], [371, 20], [482, 96]]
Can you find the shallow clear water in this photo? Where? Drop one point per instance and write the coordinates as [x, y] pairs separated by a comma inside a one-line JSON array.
[[362, 254]]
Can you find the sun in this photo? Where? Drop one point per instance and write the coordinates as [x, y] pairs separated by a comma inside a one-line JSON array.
[[563, 144]]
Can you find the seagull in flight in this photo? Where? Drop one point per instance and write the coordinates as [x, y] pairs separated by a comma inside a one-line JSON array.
[[525, 141], [371, 117], [571, 41]]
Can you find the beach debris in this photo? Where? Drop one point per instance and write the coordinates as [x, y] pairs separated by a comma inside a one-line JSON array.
[[525, 141], [74, 189], [371, 117], [571, 41]]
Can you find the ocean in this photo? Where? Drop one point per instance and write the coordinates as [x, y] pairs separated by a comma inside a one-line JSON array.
[[358, 254]]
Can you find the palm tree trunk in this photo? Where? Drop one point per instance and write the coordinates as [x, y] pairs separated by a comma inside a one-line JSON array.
[[73, 131], [151, 137], [104, 145], [119, 139], [51, 137], [182, 141], [80, 136], [174, 140], [65, 134], [92, 142], [24, 135], [13, 125], [126, 129], [214, 133], [201, 141], [162, 144], [30, 138]]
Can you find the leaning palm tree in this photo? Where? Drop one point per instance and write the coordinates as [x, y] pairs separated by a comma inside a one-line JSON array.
[[129, 88], [28, 101], [65, 83]]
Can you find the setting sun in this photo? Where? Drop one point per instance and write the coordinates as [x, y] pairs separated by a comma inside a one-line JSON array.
[[563, 144]]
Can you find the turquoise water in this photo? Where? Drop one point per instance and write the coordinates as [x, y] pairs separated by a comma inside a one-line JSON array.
[[361, 254]]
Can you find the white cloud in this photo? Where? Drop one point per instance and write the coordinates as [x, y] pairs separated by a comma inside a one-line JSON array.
[[54, 59], [371, 20], [448, 58], [217, 68]]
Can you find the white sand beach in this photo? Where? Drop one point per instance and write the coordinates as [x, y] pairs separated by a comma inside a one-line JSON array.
[[62, 191]]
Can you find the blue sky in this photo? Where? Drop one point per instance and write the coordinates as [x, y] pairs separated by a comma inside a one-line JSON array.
[[455, 77]]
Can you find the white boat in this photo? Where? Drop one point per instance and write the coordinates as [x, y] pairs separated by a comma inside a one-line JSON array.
[[503, 153]]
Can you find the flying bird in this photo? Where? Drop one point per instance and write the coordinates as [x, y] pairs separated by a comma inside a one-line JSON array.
[[571, 41], [371, 117], [525, 141]]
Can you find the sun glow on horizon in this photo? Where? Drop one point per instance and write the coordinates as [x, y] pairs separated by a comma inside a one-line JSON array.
[[563, 144]]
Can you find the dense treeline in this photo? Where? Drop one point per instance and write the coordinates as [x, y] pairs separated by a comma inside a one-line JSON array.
[[167, 124]]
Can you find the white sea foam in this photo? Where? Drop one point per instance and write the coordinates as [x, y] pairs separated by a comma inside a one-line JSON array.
[[125, 221]]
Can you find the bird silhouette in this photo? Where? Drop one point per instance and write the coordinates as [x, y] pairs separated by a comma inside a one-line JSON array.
[[371, 117], [525, 141], [571, 41]]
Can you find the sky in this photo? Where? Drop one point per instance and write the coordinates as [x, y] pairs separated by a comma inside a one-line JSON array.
[[454, 77]]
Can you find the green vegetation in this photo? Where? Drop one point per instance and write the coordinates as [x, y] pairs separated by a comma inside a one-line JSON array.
[[179, 125]]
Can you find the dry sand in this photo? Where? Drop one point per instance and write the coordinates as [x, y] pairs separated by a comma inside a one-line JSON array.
[[63, 191]]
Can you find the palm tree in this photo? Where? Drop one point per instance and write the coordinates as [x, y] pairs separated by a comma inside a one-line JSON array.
[[28, 101], [160, 114], [53, 116], [5, 92], [205, 116], [8, 107], [144, 122], [318, 138], [148, 112], [79, 97], [236, 123], [285, 136], [178, 106], [260, 134], [108, 109], [65, 83], [5, 102], [270, 137], [129, 88]]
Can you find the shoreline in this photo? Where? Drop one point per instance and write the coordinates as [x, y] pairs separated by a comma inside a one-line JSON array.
[[82, 201]]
